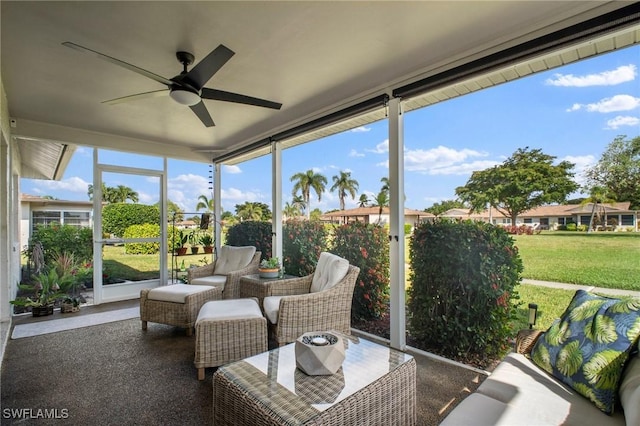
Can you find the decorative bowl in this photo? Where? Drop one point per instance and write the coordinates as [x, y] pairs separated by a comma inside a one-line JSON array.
[[269, 273], [319, 353]]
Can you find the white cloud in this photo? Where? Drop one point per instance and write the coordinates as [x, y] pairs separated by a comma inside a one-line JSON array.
[[72, 184], [621, 74], [443, 161], [620, 120], [616, 103], [582, 163], [381, 148], [237, 196], [354, 153], [361, 129], [232, 169]]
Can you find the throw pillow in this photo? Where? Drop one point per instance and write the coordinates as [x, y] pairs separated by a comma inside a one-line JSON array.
[[589, 345]]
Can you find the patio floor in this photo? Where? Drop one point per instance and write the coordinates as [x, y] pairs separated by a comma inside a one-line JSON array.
[[116, 373]]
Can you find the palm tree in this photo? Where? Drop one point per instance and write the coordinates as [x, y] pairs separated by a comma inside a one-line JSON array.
[[344, 184], [123, 193], [363, 200], [250, 211], [290, 210], [385, 184], [304, 182], [205, 204], [298, 203], [382, 201], [598, 195]]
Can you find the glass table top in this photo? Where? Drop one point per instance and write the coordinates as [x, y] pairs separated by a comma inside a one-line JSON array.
[[273, 378]]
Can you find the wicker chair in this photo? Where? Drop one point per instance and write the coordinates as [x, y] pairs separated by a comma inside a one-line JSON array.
[[218, 274], [295, 307]]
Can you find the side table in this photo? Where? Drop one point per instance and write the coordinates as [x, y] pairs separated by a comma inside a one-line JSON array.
[[255, 286]]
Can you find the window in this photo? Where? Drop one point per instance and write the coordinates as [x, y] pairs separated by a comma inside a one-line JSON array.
[[80, 219], [44, 218], [626, 220], [585, 220], [544, 221], [528, 220]]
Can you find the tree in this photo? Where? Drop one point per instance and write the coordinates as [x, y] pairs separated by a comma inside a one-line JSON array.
[[205, 204], [290, 211], [173, 209], [343, 183], [597, 196], [298, 203], [363, 201], [385, 184], [439, 208], [618, 170], [381, 200], [304, 182], [253, 211], [119, 194], [525, 180]]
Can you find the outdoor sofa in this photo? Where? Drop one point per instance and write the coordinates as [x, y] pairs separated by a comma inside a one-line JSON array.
[[520, 391]]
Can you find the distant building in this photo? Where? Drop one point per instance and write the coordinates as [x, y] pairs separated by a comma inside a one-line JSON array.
[[43, 211], [373, 215], [614, 216]]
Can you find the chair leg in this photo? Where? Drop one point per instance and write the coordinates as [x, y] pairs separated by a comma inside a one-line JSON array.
[[144, 325], [189, 331], [201, 373]]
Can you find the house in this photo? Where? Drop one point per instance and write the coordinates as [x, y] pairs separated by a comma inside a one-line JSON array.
[[35, 210], [612, 216], [373, 215]]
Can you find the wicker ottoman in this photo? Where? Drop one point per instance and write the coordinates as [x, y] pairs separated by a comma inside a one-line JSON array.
[[229, 330], [176, 304]]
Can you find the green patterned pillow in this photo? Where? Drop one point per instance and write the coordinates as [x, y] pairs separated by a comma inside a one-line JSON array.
[[588, 346]]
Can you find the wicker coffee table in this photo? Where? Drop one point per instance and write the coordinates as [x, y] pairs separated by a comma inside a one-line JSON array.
[[376, 385]]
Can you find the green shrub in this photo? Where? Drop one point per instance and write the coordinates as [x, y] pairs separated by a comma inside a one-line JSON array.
[[147, 230], [367, 247], [572, 226], [251, 233], [117, 217], [582, 228], [462, 297], [58, 239], [302, 243]]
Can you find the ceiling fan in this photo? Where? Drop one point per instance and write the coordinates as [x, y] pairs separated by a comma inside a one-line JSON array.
[[186, 88]]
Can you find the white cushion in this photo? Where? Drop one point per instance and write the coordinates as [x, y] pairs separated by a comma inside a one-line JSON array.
[[176, 293], [211, 281], [329, 271], [271, 306], [630, 392], [233, 258], [218, 310]]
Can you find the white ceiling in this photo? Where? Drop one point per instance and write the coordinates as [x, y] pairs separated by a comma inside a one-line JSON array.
[[313, 57]]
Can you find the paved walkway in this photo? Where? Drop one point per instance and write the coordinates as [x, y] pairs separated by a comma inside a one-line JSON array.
[[574, 287]]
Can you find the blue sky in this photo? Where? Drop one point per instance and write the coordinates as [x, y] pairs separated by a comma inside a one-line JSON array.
[[572, 113]]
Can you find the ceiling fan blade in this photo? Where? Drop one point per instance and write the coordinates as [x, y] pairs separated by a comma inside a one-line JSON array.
[[145, 95], [118, 62], [221, 95], [201, 111], [206, 68]]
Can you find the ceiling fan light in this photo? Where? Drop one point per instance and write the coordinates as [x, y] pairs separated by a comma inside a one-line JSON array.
[[184, 97]]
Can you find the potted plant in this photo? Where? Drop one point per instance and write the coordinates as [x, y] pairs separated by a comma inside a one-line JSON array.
[[193, 241], [180, 242], [269, 268], [46, 291], [70, 304], [207, 243]]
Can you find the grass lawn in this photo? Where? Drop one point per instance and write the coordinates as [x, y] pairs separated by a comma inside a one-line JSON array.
[[603, 259]]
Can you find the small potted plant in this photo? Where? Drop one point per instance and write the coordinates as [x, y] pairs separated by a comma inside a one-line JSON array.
[[70, 304], [269, 268], [207, 243], [193, 241], [180, 242], [46, 291]]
